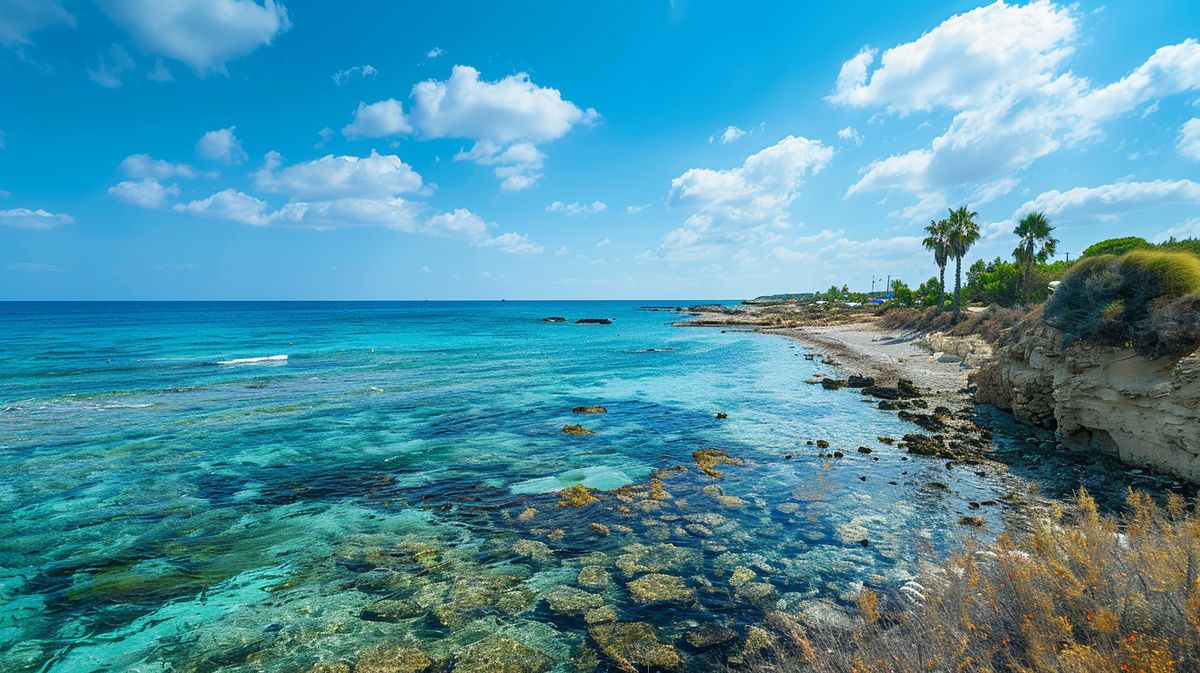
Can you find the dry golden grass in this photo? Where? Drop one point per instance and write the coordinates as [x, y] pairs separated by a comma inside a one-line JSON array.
[[1084, 595]]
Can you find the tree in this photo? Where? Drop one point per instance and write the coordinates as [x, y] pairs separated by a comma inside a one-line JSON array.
[[1036, 244], [1116, 246], [963, 233], [937, 243]]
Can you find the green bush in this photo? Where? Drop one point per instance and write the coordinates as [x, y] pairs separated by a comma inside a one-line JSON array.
[[1116, 246], [1144, 298], [1191, 245]]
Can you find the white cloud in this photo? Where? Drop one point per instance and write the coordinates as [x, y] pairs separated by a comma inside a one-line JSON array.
[[435, 52], [998, 69], [506, 118], [634, 210], [848, 133], [466, 225], [562, 252], [577, 209], [331, 177], [1189, 140], [603, 243], [424, 269], [518, 166], [730, 134], [365, 71], [147, 193], [928, 204], [25, 218], [221, 145], [1109, 201], [205, 34], [740, 204], [21, 18], [969, 58], [507, 110], [146, 166], [385, 118], [112, 67], [230, 204]]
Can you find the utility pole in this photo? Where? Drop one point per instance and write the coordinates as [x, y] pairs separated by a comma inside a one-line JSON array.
[[1068, 257]]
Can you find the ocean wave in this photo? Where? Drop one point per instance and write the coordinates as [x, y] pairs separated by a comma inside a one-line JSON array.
[[252, 361]]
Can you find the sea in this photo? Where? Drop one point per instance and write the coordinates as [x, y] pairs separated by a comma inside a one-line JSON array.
[[333, 486]]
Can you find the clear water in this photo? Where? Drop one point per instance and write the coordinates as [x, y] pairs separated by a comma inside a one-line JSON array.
[[159, 512]]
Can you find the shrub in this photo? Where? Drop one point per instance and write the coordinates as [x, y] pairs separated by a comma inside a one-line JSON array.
[[989, 324], [1130, 300], [1082, 594], [1191, 245], [1116, 246]]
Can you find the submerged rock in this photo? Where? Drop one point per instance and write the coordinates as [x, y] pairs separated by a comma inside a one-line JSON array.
[[634, 646], [471, 597], [593, 577], [741, 575], [577, 430], [338, 667], [755, 593], [709, 635], [640, 558], [660, 588], [599, 529], [600, 615], [393, 660], [533, 549], [565, 600], [593, 321], [497, 654], [708, 459], [554, 318], [590, 410], [576, 496]]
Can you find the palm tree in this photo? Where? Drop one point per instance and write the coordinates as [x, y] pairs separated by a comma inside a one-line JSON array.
[[1036, 245], [963, 233], [936, 242]]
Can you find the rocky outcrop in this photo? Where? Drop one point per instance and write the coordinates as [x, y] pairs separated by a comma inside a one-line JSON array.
[[1101, 398]]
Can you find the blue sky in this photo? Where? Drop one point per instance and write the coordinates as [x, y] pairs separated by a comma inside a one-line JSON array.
[[228, 149]]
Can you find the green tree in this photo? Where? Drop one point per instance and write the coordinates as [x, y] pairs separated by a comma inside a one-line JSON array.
[[937, 242], [963, 233], [1037, 244], [1116, 246]]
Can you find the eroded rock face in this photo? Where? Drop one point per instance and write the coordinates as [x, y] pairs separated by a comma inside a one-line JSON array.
[[1100, 398]]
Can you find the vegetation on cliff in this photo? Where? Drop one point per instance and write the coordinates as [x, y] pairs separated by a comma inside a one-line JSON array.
[[1147, 299], [1077, 595]]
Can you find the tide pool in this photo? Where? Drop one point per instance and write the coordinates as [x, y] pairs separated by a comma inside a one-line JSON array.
[[180, 496]]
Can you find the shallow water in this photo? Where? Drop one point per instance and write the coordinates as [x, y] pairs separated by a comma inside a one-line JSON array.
[[167, 513]]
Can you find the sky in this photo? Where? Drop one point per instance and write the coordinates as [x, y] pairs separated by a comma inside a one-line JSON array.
[[289, 149]]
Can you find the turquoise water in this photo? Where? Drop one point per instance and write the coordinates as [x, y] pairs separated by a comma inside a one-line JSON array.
[[163, 512]]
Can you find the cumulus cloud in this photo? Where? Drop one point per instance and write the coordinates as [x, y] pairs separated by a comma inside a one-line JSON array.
[[331, 177], [848, 133], [507, 110], [21, 18], [634, 210], [221, 145], [147, 192], [506, 118], [385, 118], [1188, 229], [146, 166], [466, 225], [576, 209], [1189, 140], [25, 218], [740, 204], [205, 34], [365, 71], [230, 204], [999, 70], [518, 166]]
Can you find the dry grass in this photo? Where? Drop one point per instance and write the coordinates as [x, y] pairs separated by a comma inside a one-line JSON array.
[[1084, 595], [989, 324]]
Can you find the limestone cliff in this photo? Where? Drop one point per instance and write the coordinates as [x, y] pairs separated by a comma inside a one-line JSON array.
[[1100, 398]]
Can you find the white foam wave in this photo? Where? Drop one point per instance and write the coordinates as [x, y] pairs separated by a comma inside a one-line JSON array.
[[251, 361]]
